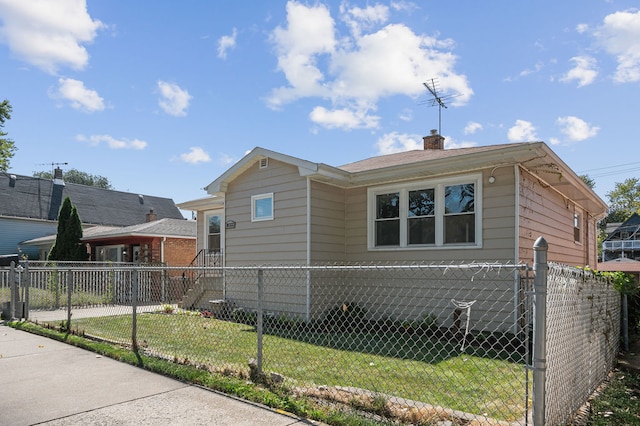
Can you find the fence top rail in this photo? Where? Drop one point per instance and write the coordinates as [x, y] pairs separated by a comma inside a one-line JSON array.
[[479, 267]]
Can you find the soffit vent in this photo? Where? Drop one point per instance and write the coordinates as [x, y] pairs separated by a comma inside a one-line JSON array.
[[264, 163]]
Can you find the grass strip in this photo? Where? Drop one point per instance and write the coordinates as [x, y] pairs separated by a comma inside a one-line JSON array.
[[276, 398]]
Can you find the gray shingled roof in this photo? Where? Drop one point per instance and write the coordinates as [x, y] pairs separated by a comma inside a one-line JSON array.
[[160, 228], [36, 198], [416, 156]]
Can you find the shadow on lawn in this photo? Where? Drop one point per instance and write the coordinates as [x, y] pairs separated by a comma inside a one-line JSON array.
[[422, 341]]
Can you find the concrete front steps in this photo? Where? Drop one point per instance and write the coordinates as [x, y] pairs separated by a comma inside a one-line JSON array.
[[204, 290]]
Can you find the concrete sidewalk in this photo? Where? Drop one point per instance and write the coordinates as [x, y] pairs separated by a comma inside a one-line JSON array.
[[44, 381]]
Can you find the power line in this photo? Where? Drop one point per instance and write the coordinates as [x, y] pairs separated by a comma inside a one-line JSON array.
[[611, 167]]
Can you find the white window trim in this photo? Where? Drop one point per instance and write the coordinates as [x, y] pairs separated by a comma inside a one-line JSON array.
[[577, 220], [206, 227], [258, 197], [438, 185]]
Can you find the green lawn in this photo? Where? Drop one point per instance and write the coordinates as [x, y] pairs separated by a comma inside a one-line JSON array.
[[417, 368]]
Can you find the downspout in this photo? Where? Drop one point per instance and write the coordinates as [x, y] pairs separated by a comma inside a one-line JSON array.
[[308, 275], [162, 249]]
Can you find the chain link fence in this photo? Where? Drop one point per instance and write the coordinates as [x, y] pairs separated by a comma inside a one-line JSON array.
[[420, 344], [583, 335]]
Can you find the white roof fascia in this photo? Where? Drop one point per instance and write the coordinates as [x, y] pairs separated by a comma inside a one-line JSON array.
[[220, 184], [207, 203]]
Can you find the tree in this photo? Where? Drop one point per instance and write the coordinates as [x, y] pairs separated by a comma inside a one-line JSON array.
[[79, 177], [7, 146], [589, 181], [68, 245], [624, 200]]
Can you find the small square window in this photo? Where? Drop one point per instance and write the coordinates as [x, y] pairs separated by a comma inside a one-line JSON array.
[[577, 233], [262, 207]]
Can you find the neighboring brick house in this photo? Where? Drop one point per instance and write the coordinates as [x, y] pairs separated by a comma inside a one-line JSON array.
[[168, 241], [29, 209]]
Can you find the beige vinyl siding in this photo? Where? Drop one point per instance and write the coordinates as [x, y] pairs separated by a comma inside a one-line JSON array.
[[327, 223], [201, 237], [544, 212], [282, 240], [498, 228]]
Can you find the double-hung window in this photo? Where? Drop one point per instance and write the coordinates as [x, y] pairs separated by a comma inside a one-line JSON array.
[[425, 214]]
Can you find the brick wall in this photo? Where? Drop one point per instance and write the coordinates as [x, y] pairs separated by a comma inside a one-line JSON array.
[[179, 251]]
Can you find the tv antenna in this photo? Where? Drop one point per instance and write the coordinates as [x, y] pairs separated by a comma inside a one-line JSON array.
[[433, 85], [52, 164]]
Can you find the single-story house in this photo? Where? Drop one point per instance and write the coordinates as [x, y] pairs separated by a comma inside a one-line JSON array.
[[168, 241], [485, 203], [477, 204], [29, 209]]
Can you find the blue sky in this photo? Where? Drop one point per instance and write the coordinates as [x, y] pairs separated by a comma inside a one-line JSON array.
[[161, 97]]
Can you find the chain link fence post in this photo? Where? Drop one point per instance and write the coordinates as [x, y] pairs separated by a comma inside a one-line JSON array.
[[134, 308], [540, 268], [13, 304], [69, 291], [625, 322], [25, 283], [260, 318]]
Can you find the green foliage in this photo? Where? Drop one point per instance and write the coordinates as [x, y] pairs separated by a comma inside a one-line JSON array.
[[79, 177], [68, 246], [625, 197], [624, 283], [7, 146], [591, 183]]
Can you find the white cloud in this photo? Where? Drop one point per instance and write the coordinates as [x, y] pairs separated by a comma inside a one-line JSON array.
[[450, 143], [352, 72], [359, 19], [584, 71], [226, 159], [582, 28], [174, 100], [522, 131], [398, 142], [536, 69], [576, 129], [620, 37], [79, 96], [406, 114], [472, 127], [48, 34], [343, 118], [225, 43], [113, 143], [195, 155]]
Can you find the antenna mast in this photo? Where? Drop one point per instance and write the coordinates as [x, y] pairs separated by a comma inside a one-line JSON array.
[[52, 164], [434, 86]]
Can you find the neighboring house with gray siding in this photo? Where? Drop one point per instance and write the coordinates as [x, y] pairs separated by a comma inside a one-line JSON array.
[[478, 204], [29, 208]]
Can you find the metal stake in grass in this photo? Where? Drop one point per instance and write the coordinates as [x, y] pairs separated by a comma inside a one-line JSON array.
[[467, 306]]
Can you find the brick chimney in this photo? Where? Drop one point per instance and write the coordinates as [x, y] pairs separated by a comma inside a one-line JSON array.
[[57, 176], [151, 216], [433, 141]]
